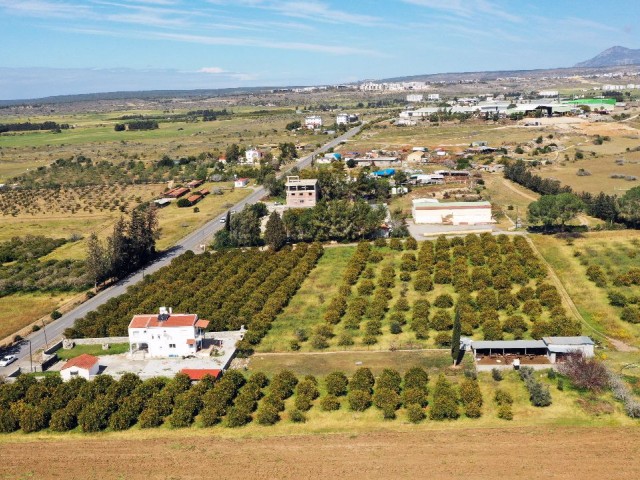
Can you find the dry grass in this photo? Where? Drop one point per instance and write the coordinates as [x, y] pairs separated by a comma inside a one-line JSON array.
[[16, 311]]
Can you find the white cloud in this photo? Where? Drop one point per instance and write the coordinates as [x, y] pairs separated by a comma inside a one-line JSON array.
[[212, 70]]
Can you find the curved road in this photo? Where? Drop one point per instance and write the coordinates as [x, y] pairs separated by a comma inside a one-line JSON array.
[[202, 235]]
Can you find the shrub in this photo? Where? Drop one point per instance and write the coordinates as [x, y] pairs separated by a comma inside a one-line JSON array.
[[308, 388], [410, 244], [272, 399], [412, 396], [385, 399], [586, 373], [296, 416], [538, 394], [209, 417], [319, 342], [496, 374], [617, 299], [395, 244], [337, 383], [503, 397], [505, 412], [389, 379], [443, 301], [345, 339], [597, 275], [416, 377], [630, 314], [302, 403], [366, 287], [283, 383], [329, 403], [150, 418], [445, 401], [443, 339], [395, 328], [471, 398], [238, 417], [362, 379], [369, 340], [415, 413], [267, 415], [442, 321], [32, 418], [8, 421], [359, 400], [402, 305]]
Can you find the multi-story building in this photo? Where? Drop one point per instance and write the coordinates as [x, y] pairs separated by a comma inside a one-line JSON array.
[[301, 193], [167, 334]]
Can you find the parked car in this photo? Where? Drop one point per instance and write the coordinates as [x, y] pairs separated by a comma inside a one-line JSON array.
[[223, 220], [7, 360]]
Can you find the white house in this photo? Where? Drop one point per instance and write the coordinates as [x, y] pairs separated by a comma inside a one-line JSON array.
[[167, 334], [430, 211], [241, 182], [85, 366], [342, 119], [433, 97], [415, 97], [252, 156], [313, 121]]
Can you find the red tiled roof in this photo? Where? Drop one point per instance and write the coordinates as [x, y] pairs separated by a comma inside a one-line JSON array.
[[191, 341], [174, 320], [84, 361], [199, 373], [202, 323], [194, 198]]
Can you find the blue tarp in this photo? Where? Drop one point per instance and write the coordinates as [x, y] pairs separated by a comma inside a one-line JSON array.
[[387, 172]]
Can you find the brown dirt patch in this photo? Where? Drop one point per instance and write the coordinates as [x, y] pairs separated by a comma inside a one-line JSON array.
[[473, 453]]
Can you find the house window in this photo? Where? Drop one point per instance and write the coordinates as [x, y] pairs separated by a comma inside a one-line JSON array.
[[172, 345], [73, 373]]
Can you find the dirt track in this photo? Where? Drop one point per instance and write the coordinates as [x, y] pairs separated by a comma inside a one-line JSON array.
[[550, 453]]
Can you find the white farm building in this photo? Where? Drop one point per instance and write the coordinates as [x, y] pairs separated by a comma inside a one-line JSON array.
[[85, 366], [430, 211], [167, 334]]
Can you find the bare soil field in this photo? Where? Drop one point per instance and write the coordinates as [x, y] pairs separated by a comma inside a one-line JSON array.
[[473, 453]]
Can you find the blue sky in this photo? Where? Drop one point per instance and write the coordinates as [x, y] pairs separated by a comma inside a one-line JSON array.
[[55, 47]]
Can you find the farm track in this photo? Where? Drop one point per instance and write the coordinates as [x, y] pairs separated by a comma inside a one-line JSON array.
[[424, 451]]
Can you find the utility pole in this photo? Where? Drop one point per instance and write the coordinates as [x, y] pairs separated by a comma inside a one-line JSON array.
[[44, 330]]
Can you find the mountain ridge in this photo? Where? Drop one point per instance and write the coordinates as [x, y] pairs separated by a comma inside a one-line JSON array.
[[615, 56]]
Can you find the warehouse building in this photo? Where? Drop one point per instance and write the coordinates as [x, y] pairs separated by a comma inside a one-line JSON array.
[[431, 211]]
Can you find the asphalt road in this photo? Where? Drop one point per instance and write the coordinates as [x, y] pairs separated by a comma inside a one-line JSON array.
[[193, 242]]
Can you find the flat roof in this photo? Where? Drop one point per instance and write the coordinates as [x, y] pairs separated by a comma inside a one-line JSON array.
[[427, 205], [302, 181], [487, 344], [581, 340]]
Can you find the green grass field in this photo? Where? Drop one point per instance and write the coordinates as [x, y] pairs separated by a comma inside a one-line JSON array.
[[310, 302], [320, 363], [114, 349]]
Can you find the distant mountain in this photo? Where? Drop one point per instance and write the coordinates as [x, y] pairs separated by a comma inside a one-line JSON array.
[[613, 57]]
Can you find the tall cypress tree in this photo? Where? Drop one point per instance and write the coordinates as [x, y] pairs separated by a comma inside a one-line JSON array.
[[275, 234], [455, 337], [96, 263]]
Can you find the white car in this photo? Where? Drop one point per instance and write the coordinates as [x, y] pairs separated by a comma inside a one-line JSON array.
[[7, 360], [223, 220]]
